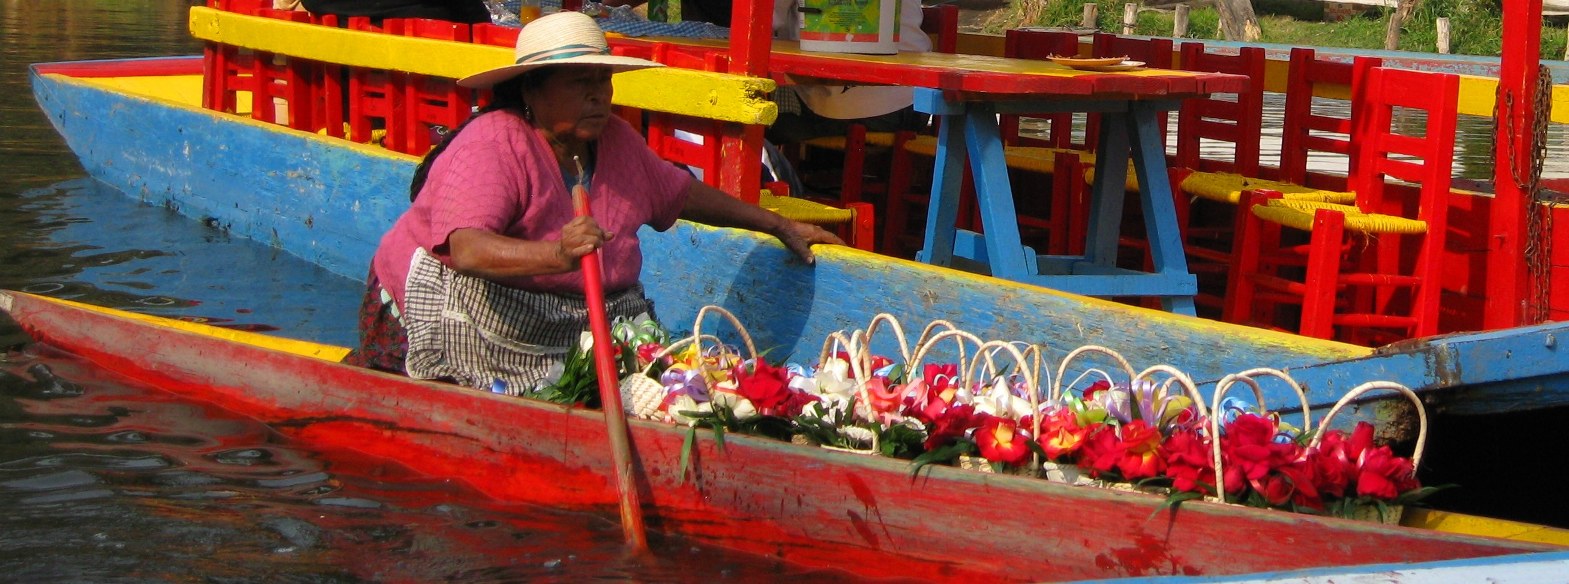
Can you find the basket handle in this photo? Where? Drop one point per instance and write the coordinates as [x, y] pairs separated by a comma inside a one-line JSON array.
[[746, 338], [1174, 375], [1421, 414], [926, 345], [1062, 368], [898, 333]]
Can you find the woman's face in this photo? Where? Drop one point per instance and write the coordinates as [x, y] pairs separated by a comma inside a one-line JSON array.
[[573, 102]]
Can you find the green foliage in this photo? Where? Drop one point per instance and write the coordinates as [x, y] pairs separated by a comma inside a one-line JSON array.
[[1473, 26]]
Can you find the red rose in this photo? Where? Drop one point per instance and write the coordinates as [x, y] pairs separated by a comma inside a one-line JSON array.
[[1189, 461], [766, 387], [1061, 436], [1000, 440], [1140, 451], [1381, 474], [1100, 452], [952, 425]]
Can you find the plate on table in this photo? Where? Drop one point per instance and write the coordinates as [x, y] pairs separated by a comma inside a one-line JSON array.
[[1097, 63]]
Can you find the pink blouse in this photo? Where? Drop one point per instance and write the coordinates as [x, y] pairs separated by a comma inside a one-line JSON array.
[[499, 175]]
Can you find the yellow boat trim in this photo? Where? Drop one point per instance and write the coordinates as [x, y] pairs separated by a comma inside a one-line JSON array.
[[297, 347], [1299, 215], [719, 96], [1226, 187], [1484, 526], [803, 210]]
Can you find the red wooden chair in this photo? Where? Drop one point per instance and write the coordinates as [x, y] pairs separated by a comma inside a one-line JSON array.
[[430, 101], [1372, 270], [1211, 247], [486, 33], [227, 70], [374, 96], [1237, 119], [1306, 131], [283, 78]]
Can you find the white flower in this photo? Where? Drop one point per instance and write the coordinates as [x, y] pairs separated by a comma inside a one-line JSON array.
[[685, 403]]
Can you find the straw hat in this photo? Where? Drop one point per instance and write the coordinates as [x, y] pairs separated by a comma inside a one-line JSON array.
[[563, 38]]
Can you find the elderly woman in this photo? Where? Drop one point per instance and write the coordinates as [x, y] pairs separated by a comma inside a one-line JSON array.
[[479, 278]]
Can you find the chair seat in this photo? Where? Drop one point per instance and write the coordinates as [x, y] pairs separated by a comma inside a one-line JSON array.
[[1226, 187], [1028, 158], [1299, 215], [804, 210], [882, 139]]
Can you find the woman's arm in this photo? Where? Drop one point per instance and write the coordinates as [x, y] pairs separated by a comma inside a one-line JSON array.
[[485, 254], [706, 204]]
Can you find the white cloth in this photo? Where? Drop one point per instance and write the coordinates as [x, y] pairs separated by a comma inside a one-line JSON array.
[[855, 101]]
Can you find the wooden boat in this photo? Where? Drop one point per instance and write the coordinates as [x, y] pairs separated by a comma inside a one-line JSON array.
[[138, 126], [817, 507]]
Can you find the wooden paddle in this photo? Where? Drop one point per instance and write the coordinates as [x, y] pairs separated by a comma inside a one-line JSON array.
[[609, 387]]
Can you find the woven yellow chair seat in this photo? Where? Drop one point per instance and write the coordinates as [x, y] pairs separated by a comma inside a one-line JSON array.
[[1226, 187], [804, 210], [883, 139], [1132, 183], [1299, 215], [1027, 158]]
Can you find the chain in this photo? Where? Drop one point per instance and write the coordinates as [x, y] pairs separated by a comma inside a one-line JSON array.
[[1539, 221]]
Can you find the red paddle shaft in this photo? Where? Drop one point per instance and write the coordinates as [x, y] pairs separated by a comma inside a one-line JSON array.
[[609, 388]]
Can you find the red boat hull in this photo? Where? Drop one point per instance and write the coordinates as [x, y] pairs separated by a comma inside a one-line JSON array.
[[806, 505]]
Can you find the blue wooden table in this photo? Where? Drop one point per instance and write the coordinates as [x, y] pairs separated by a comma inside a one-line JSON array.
[[1130, 131]]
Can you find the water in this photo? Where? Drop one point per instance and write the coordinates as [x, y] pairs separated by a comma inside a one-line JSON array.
[[106, 480]]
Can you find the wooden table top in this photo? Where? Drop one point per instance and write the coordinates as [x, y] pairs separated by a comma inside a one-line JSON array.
[[988, 77]]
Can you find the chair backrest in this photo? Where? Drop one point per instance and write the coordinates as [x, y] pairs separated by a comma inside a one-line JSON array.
[[1154, 52], [1305, 130], [485, 33], [942, 23], [1039, 45], [1424, 158], [1239, 120], [430, 101]]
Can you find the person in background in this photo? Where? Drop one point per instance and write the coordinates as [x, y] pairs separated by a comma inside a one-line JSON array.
[[464, 11], [478, 282], [810, 109]]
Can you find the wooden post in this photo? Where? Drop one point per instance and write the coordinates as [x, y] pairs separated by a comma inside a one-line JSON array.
[[1508, 274], [1091, 15], [1130, 17], [1179, 27], [1442, 26], [751, 37]]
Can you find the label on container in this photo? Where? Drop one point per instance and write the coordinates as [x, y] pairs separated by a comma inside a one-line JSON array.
[[847, 20]]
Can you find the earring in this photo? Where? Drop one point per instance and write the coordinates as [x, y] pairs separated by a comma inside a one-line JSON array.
[[528, 113]]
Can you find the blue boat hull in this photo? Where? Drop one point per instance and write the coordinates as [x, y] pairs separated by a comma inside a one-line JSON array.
[[329, 201]]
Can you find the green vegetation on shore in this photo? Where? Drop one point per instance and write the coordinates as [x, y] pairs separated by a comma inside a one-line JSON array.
[[1474, 24]]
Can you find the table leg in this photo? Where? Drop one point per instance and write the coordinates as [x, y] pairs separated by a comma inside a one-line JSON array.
[[1005, 251], [947, 178], [1155, 196], [1108, 189]]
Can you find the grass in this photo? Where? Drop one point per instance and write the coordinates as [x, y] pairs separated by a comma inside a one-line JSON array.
[[1474, 25]]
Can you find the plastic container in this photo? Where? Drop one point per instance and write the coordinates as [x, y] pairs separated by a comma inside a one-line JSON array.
[[849, 26]]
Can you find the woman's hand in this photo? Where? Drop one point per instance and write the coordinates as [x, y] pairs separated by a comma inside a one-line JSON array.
[[799, 238], [580, 236]]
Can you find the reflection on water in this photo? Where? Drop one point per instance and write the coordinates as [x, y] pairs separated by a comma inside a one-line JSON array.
[[102, 480], [67, 236]]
